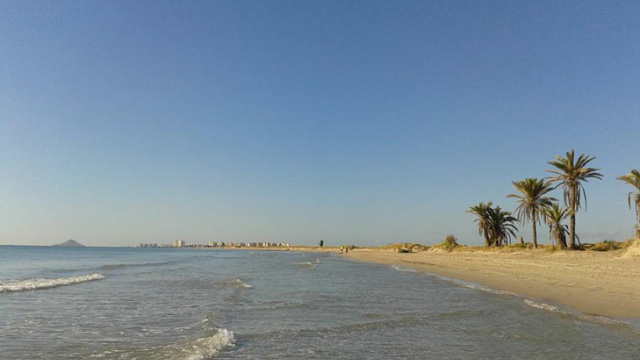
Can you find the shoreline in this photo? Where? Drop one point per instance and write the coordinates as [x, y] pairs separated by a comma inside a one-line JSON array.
[[593, 283]]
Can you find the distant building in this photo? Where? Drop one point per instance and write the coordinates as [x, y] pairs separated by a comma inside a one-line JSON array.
[[148, 245], [179, 243]]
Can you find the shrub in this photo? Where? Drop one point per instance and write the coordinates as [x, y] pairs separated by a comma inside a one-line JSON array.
[[450, 242], [521, 245], [404, 248], [607, 245], [552, 248]]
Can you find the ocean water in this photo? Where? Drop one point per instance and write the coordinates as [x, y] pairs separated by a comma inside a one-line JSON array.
[[127, 303]]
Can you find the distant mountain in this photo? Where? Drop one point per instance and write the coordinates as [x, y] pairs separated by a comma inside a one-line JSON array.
[[70, 243]]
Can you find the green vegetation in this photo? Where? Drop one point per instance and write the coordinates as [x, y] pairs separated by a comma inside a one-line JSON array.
[[497, 226], [555, 215], [532, 202], [481, 211], [449, 243], [607, 245], [405, 247], [570, 173], [633, 179]]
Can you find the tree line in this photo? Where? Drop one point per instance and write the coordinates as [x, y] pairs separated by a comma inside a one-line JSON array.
[[498, 226]]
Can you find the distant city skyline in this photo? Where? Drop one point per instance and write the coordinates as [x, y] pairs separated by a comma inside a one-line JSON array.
[[361, 123]]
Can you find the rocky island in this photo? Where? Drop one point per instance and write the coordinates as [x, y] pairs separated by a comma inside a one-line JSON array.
[[69, 243]]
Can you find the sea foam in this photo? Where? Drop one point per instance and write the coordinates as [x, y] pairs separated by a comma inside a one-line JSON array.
[[542, 306], [196, 349], [237, 282], [205, 348], [39, 283], [403, 269], [306, 264]]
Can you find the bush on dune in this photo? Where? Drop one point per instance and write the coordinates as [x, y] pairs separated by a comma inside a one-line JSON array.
[[405, 247], [448, 244]]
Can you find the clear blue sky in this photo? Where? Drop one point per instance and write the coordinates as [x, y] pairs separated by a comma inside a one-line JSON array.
[[362, 122]]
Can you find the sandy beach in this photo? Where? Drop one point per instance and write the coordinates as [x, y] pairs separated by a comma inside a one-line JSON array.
[[595, 283]]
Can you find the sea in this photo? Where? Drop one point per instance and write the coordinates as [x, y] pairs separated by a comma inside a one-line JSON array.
[[164, 303]]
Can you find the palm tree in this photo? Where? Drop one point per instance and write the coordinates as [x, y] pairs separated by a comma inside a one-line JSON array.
[[481, 211], [633, 179], [557, 231], [532, 202], [571, 173], [502, 227]]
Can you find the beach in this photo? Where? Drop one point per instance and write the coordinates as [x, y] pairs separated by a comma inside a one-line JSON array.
[[308, 303], [594, 283]]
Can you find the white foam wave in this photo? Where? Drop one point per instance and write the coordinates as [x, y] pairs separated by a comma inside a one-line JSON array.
[[38, 283], [208, 347], [237, 282], [403, 269], [542, 306], [488, 289], [195, 349], [306, 264], [597, 319], [603, 320]]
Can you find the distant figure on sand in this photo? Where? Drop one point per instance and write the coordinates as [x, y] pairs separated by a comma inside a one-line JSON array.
[[321, 243], [341, 249]]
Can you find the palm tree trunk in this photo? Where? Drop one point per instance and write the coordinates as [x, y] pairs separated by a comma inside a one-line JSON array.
[[572, 219], [535, 235], [486, 241], [572, 231]]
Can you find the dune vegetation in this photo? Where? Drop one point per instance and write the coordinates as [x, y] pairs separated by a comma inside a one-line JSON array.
[[570, 173]]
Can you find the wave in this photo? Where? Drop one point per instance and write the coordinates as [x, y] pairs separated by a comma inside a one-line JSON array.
[[602, 320], [121, 266], [597, 319], [237, 282], [306, 264], [364, 326], [403, 269], [203, 348], [196, 349], [273, 305], [543, 306], [488, 289], [475, 286], [39, 284]]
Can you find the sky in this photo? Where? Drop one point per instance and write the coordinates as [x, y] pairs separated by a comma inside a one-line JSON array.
[[354, 122]]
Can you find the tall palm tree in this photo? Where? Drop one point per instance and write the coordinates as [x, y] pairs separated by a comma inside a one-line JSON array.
[[571, 173], [502, 227], [555, 215], [532, 202], [481, 211], [633, 179]]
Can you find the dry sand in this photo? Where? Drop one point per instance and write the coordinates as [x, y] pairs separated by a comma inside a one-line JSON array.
[[595, 283]]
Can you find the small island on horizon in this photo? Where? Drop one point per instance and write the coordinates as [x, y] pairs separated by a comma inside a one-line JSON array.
[[69, 243]]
